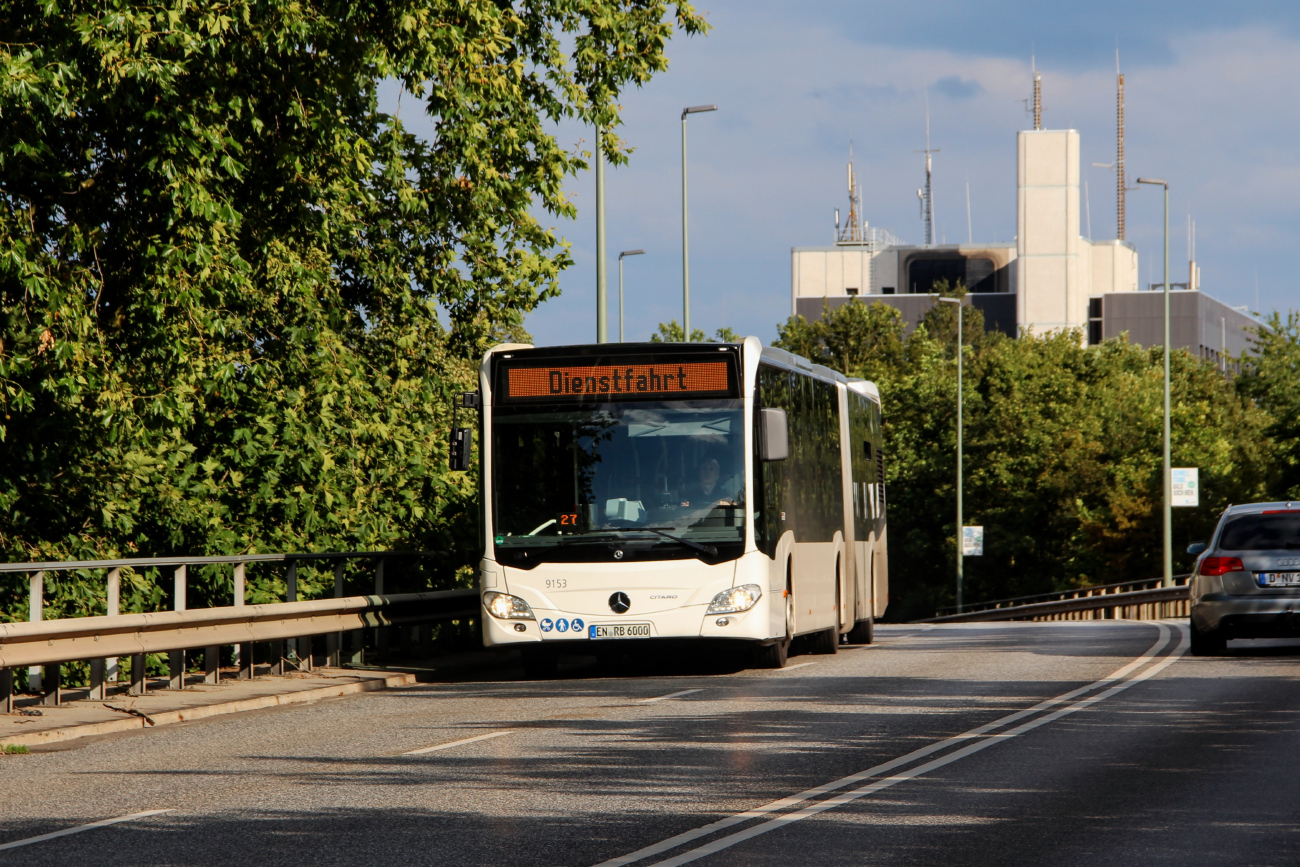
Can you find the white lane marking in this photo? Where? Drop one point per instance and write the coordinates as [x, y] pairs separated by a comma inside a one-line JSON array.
[[456, 743], [77, 830], [970, 749], [704, 831], [800, 665], [669, 695]]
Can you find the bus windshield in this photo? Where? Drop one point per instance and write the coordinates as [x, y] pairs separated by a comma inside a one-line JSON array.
[[663, 479]]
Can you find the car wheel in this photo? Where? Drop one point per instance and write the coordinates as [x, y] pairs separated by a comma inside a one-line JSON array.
[[863, 632], [1207, 643]]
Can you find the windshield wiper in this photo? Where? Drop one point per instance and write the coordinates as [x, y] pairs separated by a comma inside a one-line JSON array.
[[620, 531], [696, 546]]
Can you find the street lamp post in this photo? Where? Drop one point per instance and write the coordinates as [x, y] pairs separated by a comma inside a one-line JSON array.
[[960, 520], [620, 288], [602, 301], [1168, 493], [686, 248]]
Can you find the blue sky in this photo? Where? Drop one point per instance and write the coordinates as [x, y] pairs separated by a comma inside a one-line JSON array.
[[1211, 104]]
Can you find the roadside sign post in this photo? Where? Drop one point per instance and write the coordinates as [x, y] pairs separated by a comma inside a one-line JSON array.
[[972, 541]]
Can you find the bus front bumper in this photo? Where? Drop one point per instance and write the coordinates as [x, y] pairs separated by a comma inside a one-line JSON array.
[[682, 623]]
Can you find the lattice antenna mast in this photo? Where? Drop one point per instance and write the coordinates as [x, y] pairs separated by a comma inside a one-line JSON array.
[[927, 197], [1120, 180], [1038, 95]]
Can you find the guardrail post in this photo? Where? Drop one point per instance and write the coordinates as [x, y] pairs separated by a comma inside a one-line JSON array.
[[357, 647], [382, 633], [212, 664], [100, 668], [176, 658], [113, 609], [6, 690], [139, 683], [35, 613], [334, 641], [243, 652], [289, 647], [52, 686], [97, 689]]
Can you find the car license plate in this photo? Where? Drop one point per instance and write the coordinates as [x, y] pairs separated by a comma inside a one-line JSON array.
[[1279, 579], [619, 630]]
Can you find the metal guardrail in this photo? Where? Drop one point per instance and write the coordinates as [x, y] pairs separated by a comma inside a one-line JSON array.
[[43, 645], [1147, 604], [1060, 595]]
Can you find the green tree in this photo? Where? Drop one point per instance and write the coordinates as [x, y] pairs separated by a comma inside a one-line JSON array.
[[1062, 450], [1270, 379], [671, 332], [221, 266], [856, 338]]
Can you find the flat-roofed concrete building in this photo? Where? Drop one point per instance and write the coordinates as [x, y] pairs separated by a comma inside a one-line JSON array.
[[1049, 278], [1203, 325]]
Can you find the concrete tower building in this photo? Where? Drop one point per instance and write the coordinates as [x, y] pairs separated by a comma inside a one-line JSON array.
[[1059, 270]]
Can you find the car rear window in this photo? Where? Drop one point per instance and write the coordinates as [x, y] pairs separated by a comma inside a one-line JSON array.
[[1262, 532]]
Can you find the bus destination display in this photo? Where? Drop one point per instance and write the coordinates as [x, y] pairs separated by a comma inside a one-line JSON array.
[[620, 382]]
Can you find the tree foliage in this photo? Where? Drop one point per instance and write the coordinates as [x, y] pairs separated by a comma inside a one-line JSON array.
[[235, 296], [671, 332], [1062, 447]]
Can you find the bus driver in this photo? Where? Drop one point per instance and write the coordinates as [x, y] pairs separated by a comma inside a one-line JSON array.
[[708, 492]]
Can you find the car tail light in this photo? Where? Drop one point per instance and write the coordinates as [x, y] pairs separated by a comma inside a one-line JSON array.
[[1220, 565]]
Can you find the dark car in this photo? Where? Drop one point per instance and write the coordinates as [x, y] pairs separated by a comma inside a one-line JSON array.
[[1247, 578]]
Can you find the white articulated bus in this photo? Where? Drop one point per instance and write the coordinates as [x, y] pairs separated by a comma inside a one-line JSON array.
[[702, 492]]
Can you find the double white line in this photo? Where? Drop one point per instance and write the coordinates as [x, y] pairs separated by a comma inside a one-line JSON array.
[[883, 775]]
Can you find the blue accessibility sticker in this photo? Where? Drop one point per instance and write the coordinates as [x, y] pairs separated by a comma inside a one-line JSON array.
[[561, 625], [546, 625], [577, 625]]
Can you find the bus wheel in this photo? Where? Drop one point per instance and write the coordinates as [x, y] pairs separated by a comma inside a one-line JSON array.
[[773, 655], [827, 641], [540, 663], [863, 632]]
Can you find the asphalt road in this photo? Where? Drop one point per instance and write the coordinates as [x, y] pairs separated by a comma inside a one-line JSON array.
[[998, 744]]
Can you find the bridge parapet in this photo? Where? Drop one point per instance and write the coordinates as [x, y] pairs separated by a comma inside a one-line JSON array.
[[1131, 600], [289, 626]]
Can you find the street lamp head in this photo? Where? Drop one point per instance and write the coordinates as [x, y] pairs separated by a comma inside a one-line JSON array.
[[1157, 182], [696, 109], [630, 253], [949, 300]]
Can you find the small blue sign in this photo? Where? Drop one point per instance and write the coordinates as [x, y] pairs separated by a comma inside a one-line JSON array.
[[561, 625], [577, 625], [546, 625]]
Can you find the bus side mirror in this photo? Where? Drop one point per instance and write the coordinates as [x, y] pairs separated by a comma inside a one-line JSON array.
[[462, 442], [462, 438], [774, 435], [1197, 548]]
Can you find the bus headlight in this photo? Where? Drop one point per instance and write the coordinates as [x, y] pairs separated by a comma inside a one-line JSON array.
[[503, 606], [735, 599]]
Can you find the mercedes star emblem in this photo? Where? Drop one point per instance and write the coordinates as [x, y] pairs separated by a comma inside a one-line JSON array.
[[619, 603], [618, 555]]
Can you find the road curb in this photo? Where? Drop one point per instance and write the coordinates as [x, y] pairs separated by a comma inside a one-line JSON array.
[[204, 711]]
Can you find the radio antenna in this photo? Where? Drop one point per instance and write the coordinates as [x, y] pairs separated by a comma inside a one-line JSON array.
[[927, 198], [1120, 180]]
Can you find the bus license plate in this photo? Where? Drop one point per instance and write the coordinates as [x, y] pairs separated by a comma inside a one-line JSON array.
[[1279, 579], [619, 630]]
